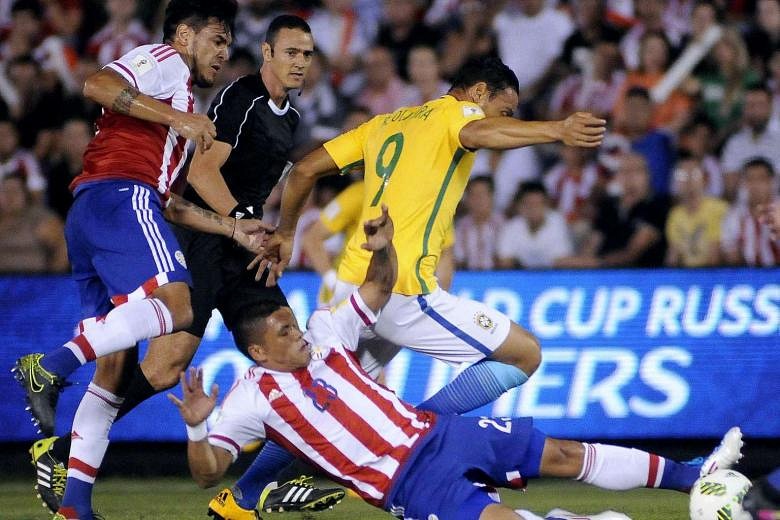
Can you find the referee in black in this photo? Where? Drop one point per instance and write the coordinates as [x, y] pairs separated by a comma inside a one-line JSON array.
[[255, 124]]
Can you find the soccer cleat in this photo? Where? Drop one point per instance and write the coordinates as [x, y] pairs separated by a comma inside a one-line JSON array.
[[560, 514], [728, 453], [51, 474], [224, 507], [300, 495], [42, 388]]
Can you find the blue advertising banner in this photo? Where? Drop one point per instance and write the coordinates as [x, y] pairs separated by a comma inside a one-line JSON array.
[[626, 354]]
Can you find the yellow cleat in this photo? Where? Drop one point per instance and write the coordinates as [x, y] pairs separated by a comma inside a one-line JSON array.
[[224, 507]]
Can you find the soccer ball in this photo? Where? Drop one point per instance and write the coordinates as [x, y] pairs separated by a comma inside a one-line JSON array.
[[718, 496]]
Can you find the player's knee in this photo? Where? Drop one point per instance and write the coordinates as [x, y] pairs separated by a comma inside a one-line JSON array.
[[164, 378], [562, 458], [521, 349]]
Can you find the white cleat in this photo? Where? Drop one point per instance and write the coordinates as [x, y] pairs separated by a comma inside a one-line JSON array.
[[560, 514], [728, 453]]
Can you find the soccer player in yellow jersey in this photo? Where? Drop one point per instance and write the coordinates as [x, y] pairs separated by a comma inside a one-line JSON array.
[[417, 161]]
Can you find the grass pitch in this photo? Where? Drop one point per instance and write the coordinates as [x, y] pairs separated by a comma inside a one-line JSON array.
[[180, 499]]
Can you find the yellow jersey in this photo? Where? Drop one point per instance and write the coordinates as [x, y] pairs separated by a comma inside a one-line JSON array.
[[695, 235], [415, 164]]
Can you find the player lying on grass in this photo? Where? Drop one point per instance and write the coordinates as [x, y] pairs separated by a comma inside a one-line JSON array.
[[309, 394]]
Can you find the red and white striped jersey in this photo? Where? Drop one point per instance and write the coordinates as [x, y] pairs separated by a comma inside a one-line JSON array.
[[742, 232], [330, 413], [109, 44], [128, 148]]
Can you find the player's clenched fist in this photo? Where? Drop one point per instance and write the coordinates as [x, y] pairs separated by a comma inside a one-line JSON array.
[[198, 128], [583, 129]]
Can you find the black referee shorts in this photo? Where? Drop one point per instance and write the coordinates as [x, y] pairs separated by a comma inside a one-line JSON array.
[[220, 279]]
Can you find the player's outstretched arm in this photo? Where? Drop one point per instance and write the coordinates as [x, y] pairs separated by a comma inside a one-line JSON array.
[[248, 234], [382, 271], [207, 463], [112, 91], [278, 248], [501, 133]]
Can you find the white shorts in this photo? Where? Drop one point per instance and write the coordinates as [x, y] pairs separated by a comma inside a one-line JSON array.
[[440, 325]]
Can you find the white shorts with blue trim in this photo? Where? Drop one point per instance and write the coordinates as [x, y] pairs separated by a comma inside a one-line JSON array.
[[446, 327]]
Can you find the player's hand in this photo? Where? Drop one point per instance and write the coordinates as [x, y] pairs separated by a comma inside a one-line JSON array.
[[276, 254], [582, 129], [251, 234], [198, 128], [195, 406], [769, 214], [379, 231]]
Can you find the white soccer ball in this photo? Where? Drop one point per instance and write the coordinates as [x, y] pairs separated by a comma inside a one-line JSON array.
[[718, 496]]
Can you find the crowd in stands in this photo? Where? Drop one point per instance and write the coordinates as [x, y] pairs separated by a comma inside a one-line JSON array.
[[691, 90]]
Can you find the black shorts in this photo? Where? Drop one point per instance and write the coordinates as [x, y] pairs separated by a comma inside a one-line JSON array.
[[220, 279]]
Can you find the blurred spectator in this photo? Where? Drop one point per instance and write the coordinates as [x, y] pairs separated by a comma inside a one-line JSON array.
[[693, 228], [469, 33], [722, 89], [401, 30], [383, 91], [320, 107], [595, 90], [759, 137], [25, 32], [745, 240], [654, 145], [540, 31], [252, 23], [74, 138], [592, 29], [338, 36], [57, 54], [773, 82], [122, 33], [654, 61], [31, 237], [537, 236], [571, 184], [476, 232], [696, 139], [651, 15], [426, 82], [763, 36], [629, 228], [17, 161]]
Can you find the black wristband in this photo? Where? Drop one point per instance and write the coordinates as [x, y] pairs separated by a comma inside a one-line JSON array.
[[241, 211]]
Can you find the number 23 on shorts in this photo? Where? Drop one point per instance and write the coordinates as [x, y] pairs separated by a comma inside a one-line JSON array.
[[484, 422]]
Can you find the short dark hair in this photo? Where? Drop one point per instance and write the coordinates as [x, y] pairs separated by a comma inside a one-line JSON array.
[[486, 179], [285, 21], [492, 71], [251, 323], [530, 187], [32, 6], [759, 86], [760, 162], [639, 92], [197, 13]]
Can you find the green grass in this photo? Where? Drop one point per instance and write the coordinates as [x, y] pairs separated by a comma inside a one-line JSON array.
[[179, 499]]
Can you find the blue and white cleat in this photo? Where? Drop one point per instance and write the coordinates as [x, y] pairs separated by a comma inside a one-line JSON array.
[[728, 453]]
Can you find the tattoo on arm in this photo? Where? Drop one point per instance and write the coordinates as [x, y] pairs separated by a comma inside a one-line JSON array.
[[124, 101], [186, 205]]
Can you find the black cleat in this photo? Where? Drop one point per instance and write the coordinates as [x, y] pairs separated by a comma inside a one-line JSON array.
[[300, 495], [42, 388], [51, 474]]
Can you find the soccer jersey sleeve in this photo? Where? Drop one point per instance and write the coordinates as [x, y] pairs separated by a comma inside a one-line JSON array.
[[344, 210], [344, 322], [346, 150], [240, 419], [460, 115], [156, 71], [232, 112]]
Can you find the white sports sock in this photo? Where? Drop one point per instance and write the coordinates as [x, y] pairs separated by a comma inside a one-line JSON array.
[[613, 467], [121, 329], [89, 437], [528, 515]]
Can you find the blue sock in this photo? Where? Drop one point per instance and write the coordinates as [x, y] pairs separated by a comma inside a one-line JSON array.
[[680, 475], [479, 384], [270, 461], [78, 496], [61, 362]]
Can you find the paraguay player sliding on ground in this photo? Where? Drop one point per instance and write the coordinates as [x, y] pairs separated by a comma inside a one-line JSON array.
[[308, 394]]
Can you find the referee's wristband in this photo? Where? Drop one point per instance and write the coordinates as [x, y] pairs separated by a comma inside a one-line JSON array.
[[242, 211], [198, 432]]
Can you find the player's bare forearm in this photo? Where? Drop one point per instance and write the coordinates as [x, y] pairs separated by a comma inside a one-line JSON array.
[[184, 213], [313, 244], [208, 463], [205, 177], [382, 270], [112, 91], [503, 133]]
